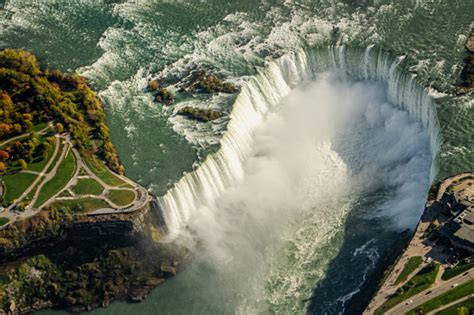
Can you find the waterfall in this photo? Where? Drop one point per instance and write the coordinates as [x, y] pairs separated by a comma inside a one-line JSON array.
[[262, 92]]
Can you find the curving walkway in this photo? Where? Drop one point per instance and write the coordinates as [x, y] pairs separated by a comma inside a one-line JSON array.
[[141, 194], [42, 131]]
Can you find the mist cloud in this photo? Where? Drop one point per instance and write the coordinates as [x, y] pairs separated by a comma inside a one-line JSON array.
[[328, 143]]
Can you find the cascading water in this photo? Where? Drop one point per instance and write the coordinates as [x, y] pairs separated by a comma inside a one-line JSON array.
[[262, 92]]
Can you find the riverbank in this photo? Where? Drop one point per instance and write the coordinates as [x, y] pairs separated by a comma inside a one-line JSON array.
[[85, 263], [409, 282], [75, 233]]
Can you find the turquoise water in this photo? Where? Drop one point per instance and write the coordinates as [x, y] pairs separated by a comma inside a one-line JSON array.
[[119, 45]]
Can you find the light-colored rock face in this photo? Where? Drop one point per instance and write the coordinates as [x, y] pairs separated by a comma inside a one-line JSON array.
[[470, 43]]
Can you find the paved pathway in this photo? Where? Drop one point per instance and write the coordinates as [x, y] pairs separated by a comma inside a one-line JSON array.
[[40, 132], [49, 176], [141, 194], [424, 296], [451, 304], [7, 212], [418, 246], [415, 248]]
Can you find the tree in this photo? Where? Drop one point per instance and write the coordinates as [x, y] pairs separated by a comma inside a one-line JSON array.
[[463, 310], [3, 167], [59, 128], [5, 129], [23, 164], [4, 155], [153, 85], [17, 128]]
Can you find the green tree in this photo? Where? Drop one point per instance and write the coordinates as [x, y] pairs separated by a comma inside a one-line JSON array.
[[23, 164], [59, 128], [463, 311]]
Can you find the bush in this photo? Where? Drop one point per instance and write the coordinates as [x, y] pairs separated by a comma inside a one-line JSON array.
[[200, 114], [212, 84], [164, 96]]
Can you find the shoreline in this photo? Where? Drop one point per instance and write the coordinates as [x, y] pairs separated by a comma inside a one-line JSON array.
[[418, 245]]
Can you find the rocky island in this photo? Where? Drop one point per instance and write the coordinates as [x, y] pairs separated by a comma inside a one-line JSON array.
[[64, 195]]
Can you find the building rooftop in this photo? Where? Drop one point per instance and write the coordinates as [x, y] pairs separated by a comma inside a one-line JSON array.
[[466, 233], [469, 216]]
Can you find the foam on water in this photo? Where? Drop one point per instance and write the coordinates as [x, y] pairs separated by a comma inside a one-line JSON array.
[[140, 39], [263, 92]]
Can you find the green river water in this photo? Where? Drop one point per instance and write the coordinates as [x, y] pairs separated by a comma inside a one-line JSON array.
[[334, 169]]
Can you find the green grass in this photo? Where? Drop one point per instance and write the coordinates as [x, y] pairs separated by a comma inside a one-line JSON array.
[[63, 175], [462, 267], [39, 163], [99, 169], [81, 205], [410, 266], [38, 127], [422, 281], [56, 158], [121, 197], [453, 310], [15, 185], [4, 221], [452, 295], [87, 186]]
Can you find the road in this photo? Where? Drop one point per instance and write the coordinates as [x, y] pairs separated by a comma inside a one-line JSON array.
[[414, 248], [417, 247], [422, 297]]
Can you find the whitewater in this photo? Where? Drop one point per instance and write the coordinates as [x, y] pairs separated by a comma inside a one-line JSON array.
[[292, 201]]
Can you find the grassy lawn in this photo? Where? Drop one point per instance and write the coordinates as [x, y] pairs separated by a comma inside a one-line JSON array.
[[446, 298], [39, 163], [81, 205], [4, 221], [450, 273], [121, 197], [15, 185], [56, 158], [38, 127], [420, 282], [63, 175], [453, 310], [410, 266], [99, 169], [87, 186]]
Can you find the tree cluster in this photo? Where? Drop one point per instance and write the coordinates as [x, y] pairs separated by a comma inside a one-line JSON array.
[[162, 94], [212, 84], [199, 114], [30, 94]]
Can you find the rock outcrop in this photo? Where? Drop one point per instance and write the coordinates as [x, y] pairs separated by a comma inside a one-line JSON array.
[[467, 74], [85, 262]]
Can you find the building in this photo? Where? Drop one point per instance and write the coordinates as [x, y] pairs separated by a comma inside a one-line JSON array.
[[460, 231]]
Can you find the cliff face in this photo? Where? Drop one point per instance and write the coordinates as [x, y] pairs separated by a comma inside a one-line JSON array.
[[39, 234], [86, 262]]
